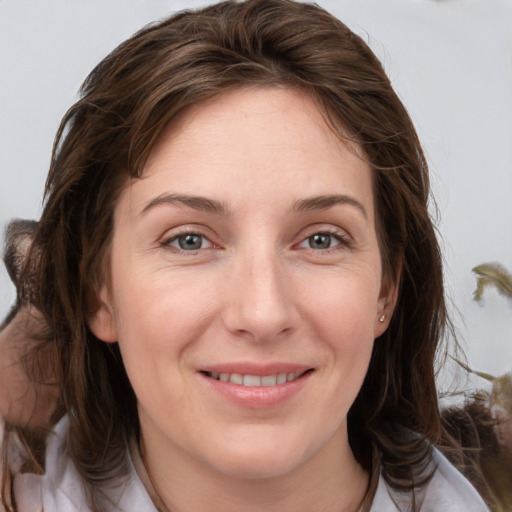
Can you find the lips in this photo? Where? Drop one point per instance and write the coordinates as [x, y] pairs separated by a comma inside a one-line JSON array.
[[256, 387]]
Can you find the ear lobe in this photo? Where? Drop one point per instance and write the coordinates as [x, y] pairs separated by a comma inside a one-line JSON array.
[[102, 322], [386, 304]]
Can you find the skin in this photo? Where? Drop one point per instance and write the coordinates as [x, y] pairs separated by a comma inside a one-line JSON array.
[[22, 401], [259, 289]]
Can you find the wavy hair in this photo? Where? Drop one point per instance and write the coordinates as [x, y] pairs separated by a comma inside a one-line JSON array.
[[105, 139]]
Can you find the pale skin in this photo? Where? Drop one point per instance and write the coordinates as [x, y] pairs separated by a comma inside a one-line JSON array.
[[250, 242]]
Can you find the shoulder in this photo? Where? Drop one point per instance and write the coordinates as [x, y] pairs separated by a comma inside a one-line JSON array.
[[26, 488], [61, 489], [447, 491], [450, 490]]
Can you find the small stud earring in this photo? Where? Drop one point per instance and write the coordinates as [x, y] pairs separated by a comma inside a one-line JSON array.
[[382, 318]]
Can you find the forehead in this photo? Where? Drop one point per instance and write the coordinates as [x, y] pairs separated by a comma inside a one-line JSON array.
[[246, 119], [245, 137]]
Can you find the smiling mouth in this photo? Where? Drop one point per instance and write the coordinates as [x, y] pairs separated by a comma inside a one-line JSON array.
[[257, 380]]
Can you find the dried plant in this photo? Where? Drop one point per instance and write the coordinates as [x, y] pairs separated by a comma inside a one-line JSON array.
[[492, 274], [483, 425]]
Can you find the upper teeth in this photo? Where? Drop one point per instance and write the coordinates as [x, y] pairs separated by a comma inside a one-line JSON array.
[[254, 380]]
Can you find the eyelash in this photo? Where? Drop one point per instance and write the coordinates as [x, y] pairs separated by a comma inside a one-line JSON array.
[[343, 242], [167, 243]]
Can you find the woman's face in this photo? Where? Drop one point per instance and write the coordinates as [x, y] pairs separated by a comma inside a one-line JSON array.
[[246, 287]]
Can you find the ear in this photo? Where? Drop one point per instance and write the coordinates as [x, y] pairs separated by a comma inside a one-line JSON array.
[[103, 322], [386, 304]]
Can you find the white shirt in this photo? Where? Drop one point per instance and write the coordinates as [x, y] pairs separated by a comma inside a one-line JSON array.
[[60, 489]]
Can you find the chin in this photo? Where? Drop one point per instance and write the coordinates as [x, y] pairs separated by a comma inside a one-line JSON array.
[[261, 459], [260, 467]]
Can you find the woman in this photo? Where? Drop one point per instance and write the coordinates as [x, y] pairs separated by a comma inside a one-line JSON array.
[[241, 278]]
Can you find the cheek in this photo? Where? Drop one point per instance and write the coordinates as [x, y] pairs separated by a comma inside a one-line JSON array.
[[343, 308], [343, 315], [161, 315], [157, 320]]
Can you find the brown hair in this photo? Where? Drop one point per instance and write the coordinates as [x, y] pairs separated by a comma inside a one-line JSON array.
[[106, 137]]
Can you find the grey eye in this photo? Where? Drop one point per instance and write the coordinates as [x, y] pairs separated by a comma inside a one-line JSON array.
[[188, 242], [320, 241]]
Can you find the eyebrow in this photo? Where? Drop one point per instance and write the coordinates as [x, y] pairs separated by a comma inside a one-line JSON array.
[[328, 201], [208, 205], [196, 202]]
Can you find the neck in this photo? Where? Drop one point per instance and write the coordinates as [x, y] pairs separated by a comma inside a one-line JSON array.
[[330, 481]]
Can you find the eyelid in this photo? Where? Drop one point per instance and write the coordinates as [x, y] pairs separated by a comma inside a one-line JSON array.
[[175, 233], [176, 238], [341, 235]]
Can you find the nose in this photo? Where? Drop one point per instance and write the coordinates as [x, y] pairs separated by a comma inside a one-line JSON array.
[[259, 298]]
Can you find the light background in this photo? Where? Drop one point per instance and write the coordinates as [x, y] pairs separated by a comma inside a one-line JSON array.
[[449, 60]]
